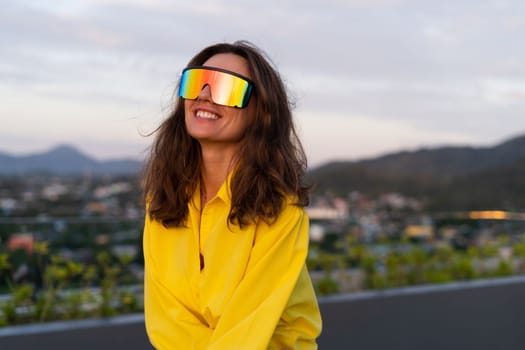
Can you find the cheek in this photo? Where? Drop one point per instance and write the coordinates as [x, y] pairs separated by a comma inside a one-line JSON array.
[[187, 105], [187, 111]]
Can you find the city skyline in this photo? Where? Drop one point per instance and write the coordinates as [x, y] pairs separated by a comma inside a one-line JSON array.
[[367, 77]]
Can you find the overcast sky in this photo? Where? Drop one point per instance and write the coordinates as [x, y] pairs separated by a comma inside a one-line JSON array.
[[368, 76]]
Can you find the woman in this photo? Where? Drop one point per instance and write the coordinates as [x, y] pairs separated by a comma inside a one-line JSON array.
[[226, 235]]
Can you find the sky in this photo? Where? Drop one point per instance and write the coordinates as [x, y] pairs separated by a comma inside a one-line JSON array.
[[368, 77]]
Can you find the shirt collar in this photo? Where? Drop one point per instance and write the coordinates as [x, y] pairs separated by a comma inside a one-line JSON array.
[[224, 193]]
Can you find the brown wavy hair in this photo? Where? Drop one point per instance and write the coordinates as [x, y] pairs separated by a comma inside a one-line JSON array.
[[271, 164]]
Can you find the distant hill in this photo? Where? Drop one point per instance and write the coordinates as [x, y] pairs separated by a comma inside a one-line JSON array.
[[64, 159], [447, 177]]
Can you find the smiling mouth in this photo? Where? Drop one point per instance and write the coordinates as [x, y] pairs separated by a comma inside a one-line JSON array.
[[206, 115]]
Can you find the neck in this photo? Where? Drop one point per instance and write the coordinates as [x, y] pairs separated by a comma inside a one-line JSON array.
[[216, 165]]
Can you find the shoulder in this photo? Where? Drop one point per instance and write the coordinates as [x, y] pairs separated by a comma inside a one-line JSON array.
[[291, 217], [292, 208]]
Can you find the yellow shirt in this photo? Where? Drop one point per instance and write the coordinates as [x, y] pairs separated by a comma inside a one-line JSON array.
[[254, 291]]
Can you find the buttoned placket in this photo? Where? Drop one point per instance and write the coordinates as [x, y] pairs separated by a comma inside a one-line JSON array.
[[201, 239], [203, 230]]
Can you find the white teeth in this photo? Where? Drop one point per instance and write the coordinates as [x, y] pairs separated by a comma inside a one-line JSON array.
[[206, 115]]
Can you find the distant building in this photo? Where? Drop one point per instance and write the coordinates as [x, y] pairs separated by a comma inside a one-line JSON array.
[[317, 232], [96, 208], [112, 190], [23, 241], [7, 205], [125, 249], [326, 213], [54, 191], [419, 231]]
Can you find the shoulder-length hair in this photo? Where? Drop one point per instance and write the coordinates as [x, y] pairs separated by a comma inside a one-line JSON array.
[[271, 164]]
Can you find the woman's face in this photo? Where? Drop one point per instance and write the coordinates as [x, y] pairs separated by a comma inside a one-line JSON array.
[[211, 123]]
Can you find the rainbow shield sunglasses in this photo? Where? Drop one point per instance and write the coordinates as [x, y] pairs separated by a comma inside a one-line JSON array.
[[227, 88]]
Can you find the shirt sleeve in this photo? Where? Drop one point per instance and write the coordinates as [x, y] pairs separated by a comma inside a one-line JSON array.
[[252, 314], [300, 324]]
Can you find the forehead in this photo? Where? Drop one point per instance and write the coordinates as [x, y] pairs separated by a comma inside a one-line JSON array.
[[231, 62]]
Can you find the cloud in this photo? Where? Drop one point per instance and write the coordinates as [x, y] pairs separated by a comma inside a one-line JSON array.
[[425, 70]]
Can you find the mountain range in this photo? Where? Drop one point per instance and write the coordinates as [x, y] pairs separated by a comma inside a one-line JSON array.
[[64, 159], [446, 178]]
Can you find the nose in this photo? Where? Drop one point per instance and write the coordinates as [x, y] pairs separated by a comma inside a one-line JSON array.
[[205, 94]]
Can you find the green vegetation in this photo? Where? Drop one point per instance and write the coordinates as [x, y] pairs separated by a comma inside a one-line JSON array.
[[69, 290], [106, 287], [410, 264]]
